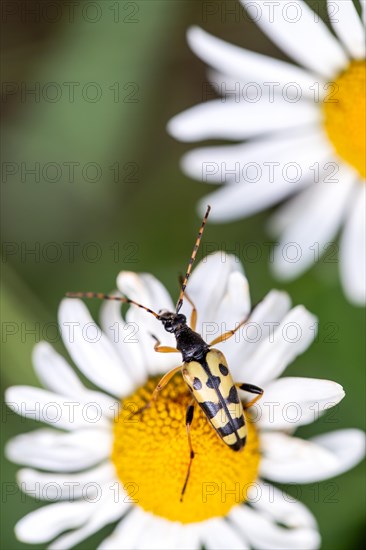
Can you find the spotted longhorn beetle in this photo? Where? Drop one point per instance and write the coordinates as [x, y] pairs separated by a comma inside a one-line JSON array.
[[204, 369]]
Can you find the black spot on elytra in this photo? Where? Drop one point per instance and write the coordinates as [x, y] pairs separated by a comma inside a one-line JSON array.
[[197, 384], [224, 370], [213, 382], [233, 395], [238, 445], [226, 430], [210, 408], [233, 425]]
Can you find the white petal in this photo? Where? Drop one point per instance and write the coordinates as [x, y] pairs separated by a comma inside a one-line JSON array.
[[209, 285], [291, 402], [56, 410], [148, 291], [264, 534], [306, 239], [144, 531], [264, 318], [224, 118], [363, 9], [272, 175], [294, 460], [235, 303], [283, 508], [347, 445], [244, 64], [52, 486], [353, 249], [151, 537], [56, 375], [123, 336], [47, 522], [152, 293], [54, 372], [291, 338], [162, 534], [347, 26], [232, 308], [91, 350], [218, 534], [60, 452], [268, 313], [230, 87], [127, 532], [106, 510], [190, 537], [155, 363], [175, 535], [273, 178], [273, 154], [298, 31], [287, 214]]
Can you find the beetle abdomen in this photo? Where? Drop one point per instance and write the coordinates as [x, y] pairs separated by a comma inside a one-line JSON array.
[[213, 388]]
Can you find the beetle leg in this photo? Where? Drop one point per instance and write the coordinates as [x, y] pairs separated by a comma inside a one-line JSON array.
[[162, 383], [226, 335], [189, 419], [193, 320], [163, 349], [251, 389]]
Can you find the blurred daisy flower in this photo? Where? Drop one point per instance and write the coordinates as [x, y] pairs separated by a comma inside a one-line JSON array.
[[304, 129], [104, 465]]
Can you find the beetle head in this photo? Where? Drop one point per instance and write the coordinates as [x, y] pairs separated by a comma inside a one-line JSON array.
[[172, 321]]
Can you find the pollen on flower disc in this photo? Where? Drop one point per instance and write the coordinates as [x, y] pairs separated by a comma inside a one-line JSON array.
[[344, 115], [151, 455]]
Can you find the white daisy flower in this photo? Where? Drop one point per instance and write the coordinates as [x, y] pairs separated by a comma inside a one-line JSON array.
[[304, 129], [102, 464]]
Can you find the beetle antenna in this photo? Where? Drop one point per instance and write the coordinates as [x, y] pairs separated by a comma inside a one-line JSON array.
[[101, 296], [192, 259]]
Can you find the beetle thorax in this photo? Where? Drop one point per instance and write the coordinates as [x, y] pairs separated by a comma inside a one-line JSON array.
[[190, 344]]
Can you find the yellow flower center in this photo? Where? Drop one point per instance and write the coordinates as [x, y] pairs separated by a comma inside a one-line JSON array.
[[151, 455], [344, 111]]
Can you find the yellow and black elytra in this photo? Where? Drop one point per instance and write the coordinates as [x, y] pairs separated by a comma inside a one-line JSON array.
[[204, 368]]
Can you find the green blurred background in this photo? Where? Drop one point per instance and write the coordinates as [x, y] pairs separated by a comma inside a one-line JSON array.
[[130, 70]]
